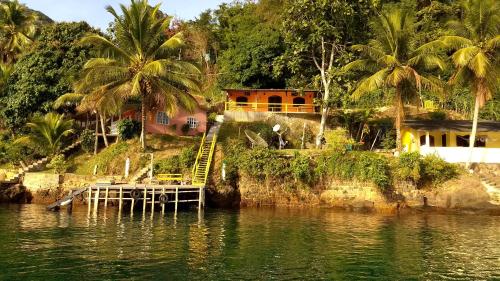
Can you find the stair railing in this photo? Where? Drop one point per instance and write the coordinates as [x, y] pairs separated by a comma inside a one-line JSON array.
[[200, 152], [210, 156]]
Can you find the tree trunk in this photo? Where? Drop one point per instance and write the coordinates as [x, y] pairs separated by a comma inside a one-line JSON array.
[[143, 126], [399, 118], [96, 142], [103, 128], [472, 139], [324, 115]]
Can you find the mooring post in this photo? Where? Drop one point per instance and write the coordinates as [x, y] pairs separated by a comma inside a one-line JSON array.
[[176, 198], [144, 200], [152, 200], [96, 199], [106, 198], [132, 206], [199, 198], [120, 202], [90, 198], [163, 205]]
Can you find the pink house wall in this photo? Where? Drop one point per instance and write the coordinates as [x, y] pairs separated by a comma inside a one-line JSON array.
[[175, 124]]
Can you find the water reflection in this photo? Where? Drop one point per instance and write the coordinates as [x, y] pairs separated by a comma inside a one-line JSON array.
[[251, 244]]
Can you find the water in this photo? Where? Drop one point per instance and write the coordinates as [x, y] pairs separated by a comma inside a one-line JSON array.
[[251, 244]]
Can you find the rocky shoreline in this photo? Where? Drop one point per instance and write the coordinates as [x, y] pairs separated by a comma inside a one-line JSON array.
[[463, 195]]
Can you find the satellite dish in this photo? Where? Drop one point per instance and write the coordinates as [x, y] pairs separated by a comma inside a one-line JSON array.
[[276, 128], [255, 139]]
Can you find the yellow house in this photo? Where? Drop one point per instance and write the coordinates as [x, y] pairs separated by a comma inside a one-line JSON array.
[[449, 139]]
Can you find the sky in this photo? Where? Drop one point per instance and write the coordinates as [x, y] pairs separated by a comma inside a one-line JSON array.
[[93, 12]]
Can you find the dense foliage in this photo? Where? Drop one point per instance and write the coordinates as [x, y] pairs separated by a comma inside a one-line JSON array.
[[45, 73], [128, 129]]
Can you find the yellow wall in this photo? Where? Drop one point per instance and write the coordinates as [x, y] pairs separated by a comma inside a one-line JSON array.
[[411, 138]]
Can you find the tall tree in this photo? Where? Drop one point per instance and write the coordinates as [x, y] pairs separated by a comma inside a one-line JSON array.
[[250, 40], [316, 32], [142, 62], [392, 61], [46, 72], [18, 26], [48, 133], [475, 45]]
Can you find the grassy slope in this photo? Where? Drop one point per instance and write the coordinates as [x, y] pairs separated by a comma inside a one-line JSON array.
[[111, 160]]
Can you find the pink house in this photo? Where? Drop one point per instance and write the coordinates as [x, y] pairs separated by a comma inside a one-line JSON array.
[[159, 122]]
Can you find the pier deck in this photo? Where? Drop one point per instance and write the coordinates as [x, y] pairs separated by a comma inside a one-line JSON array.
[[151, 196]]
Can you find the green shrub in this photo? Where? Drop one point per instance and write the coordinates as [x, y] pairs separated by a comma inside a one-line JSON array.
[[301, 168], [87, 138], [409, 167], [360, 165], [128, 129], [259, 163], [438, 115], [168, 166], [389, 140], [233, 149], [437, 171], [212, 117], [59, 164], [338, 140], [430, 170], [187, 157]]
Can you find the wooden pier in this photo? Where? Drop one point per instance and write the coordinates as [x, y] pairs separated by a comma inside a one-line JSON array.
[[149, 197]]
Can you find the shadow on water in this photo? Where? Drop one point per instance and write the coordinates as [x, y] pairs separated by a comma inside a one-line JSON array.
[[249, 244]]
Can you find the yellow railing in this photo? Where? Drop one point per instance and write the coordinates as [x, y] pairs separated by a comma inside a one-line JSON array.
[[169, 177], [210, 156], [209, 161], [270, 107], [200, 152]]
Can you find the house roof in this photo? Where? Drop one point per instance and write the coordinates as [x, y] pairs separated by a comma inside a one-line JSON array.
[[452, 125], [272, 90]]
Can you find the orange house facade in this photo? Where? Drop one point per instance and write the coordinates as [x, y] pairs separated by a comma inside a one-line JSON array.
[[271, 100], [162, 123]]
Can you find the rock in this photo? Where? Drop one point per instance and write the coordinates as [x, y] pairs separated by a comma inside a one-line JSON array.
[[15, 193]]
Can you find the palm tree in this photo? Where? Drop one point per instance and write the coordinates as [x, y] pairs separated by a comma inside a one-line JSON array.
[[96, 102], [393, 61], [48, 133], [5, 71], [142, 62], [17, 28], [475, 44]]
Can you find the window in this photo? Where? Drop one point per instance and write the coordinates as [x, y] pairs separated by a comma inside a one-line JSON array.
[[299, 101], [193, 123], [463, 141], [423, 140], [274, 103], [162, 118], [241, 101], [443, 140]]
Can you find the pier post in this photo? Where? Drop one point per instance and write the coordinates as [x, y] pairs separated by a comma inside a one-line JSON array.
[[152, 200], [96, 199], [132, 206], [106, 198], [199, 198], [89, 200], [145, 199], [120, 202], [176, 199], [163, 205]]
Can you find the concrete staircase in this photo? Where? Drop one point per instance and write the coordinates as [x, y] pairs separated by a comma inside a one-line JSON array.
[[492, 185], [140, 175], [36, 166]]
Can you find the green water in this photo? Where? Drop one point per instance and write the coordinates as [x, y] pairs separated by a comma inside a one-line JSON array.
[[251, 244]]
